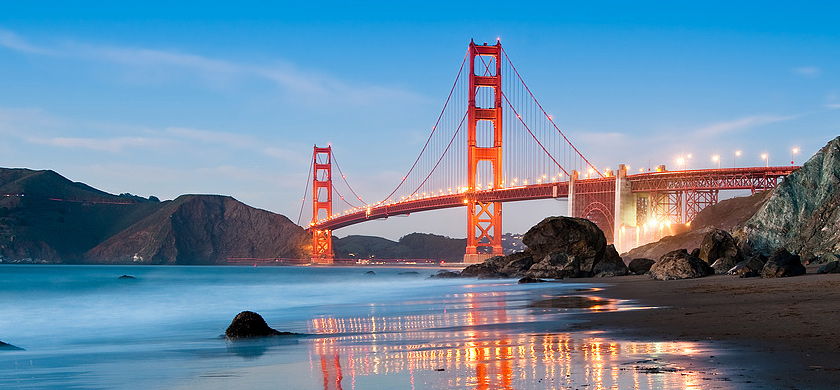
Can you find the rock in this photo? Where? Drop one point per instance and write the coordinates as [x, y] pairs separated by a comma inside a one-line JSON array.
[[680, 264], [490, 268], [126, 277], [723, 265], [719, 247], [610, 265], [782, 264], [529, 279], [696, 252], [754, 264], [518, 264], [640, 266], [556, 266], [444, 274], [750, 274], [370, 273], [248, 324], [802, 212], [9, 347], [830, 268], [576, 237], [408, 273]]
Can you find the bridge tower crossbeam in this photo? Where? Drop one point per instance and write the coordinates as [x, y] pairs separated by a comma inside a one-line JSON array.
[[322, 252], [484, 219]]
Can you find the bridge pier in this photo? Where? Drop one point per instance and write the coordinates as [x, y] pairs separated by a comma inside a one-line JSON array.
[[625, 208]]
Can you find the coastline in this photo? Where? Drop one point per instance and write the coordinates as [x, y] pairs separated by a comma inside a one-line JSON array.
[[782, 332]]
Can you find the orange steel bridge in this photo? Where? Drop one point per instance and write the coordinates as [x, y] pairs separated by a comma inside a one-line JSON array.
[[494, 143]]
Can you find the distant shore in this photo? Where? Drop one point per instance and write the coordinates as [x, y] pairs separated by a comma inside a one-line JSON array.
[[784, 331]]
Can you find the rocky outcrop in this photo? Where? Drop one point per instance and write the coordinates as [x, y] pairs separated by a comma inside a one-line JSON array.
[[720, 250], [782, 264], [802, 212], [558, 247], [248, 324], [528, 279], [680, 264], [640, 266]]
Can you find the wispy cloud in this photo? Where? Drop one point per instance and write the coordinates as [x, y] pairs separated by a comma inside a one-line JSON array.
[[111, 145], [833, 106], [807, 71], [740, 124], [305, 86]]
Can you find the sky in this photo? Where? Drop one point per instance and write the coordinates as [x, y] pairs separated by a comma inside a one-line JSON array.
[[169, 98]]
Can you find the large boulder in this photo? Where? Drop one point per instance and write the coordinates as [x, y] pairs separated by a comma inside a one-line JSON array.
[[802, 212], [248, 324], [718, 246], [490, 268], [782, 264], [680, 264], [576, 237], [640, 266], [752, 265], [610, 265]]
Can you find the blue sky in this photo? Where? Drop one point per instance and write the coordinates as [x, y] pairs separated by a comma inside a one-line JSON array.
[[164, 99]]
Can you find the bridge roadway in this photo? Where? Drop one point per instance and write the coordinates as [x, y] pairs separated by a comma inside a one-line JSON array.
[[753, 178]]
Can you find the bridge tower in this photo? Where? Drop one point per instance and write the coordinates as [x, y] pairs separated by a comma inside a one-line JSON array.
[[484, 219], [321, 200]]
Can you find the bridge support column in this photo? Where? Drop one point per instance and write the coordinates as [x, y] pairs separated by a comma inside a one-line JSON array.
[[625, 208], [572, 212], [321, 201], [484, 219]]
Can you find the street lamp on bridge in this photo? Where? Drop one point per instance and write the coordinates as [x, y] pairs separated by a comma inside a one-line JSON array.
[[793, 152], [716, 159], [735, 159], [766, 160]]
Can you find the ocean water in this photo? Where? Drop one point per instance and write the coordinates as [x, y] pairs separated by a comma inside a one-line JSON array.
[[83, 327]]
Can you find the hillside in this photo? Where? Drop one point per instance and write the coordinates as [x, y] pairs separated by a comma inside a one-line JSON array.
[[47, 218], [412, 246]]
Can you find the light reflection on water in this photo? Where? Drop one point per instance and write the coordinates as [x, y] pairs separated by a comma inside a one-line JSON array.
[[482, 341]]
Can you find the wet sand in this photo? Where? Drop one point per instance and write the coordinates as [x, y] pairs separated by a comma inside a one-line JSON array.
[[784, 332]]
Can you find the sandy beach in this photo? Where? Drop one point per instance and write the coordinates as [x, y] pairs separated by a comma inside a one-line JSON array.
[[781, 331]]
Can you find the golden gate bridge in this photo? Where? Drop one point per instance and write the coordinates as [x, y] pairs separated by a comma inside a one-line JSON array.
[[493, 143]]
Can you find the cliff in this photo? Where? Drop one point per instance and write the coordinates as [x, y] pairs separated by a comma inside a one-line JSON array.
[[801, 214]]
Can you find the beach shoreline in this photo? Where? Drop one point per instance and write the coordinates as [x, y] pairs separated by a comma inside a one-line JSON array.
[[782, 332]]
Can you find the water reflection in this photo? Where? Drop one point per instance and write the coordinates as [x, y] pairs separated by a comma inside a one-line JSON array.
[[482, 341]]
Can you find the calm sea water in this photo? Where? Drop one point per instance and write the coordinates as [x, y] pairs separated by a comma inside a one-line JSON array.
[[83, 327]]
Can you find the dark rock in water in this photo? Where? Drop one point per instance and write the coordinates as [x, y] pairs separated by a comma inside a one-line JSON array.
[[754, 264], [576, 237], [802, 212], [750, 274], [640, 266], [9, 347], [408, 273], [444, 274], [830, 268], [680, 264], [529, 279], [490, 268], [718, 247], [696, 252], [126, 277], [248, 324], [782, 264], [610, 265], [370, 273]]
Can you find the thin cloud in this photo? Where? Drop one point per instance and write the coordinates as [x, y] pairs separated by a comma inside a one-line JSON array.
[[740, 124], [807, 71], [309, 87], [833, 106], [111, 145]]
